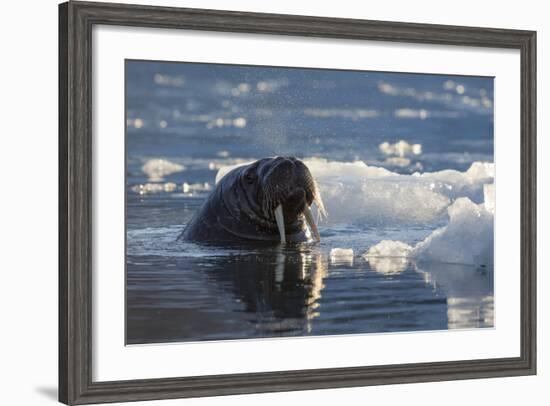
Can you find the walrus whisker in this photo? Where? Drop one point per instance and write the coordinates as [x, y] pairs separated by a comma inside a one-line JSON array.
[[321, 211], [266, 204]]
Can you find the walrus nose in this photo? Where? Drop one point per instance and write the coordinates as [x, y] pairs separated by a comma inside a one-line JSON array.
[[285, 166], [294, 203], [282, 170]]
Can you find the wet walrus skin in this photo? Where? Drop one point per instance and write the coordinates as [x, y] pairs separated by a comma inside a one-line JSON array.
[[244, 204]]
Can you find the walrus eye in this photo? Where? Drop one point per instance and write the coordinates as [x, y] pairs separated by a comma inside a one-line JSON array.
[[250, 177]]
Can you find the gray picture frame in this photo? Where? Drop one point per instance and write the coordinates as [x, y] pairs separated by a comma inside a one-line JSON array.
[[76, 20]]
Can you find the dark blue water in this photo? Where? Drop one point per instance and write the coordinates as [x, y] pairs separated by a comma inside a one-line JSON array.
[[198, 118]]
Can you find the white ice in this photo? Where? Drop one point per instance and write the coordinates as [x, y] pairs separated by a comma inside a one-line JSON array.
[[341, 256], [467, 239], [401, 148], [157, 169], [388, 257], [356, 192], [188, 189]]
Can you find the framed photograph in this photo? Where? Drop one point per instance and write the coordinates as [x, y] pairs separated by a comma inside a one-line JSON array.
[[257, 202]]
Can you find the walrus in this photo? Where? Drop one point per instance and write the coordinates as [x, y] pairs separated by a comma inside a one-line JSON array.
[[268, 200]]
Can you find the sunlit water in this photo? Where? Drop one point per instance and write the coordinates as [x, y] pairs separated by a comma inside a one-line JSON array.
[[201, 118]]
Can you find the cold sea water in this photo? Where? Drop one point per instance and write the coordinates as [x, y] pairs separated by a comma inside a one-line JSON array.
[[404, 164]]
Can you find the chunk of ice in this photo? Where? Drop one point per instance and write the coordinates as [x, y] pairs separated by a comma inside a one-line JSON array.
[[389, 248], [388, 257], [148, 188], [467, 239], [341, 256], [401, 148], [157, 169]]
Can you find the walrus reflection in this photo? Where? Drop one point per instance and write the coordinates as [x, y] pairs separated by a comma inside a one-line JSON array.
[[281, 289]]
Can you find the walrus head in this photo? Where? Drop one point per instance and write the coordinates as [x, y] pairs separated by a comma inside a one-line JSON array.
[[282, 191]]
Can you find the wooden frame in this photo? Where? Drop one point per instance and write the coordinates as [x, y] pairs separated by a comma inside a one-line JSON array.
[[75, 187]]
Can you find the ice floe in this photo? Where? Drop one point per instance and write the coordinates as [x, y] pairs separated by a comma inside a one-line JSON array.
[[188, 189], [341, 256], [167, 80], [148, 188], [467, 239], [401, 148], [157, 169], [388, 257]]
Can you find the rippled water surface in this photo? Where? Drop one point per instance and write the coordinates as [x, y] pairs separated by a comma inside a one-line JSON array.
[[186, 122]]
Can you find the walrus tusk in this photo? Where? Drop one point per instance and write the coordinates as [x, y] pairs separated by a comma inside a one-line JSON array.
[[280, 222], [311, 224]]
